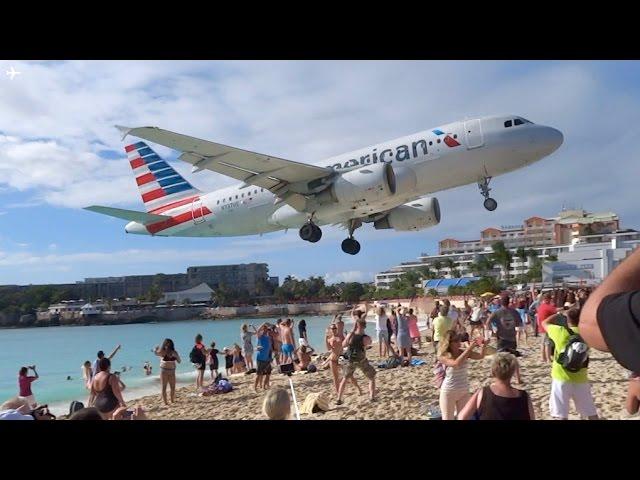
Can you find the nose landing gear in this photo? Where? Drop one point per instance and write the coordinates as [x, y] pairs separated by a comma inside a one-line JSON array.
[[351, 245], [489, 203]]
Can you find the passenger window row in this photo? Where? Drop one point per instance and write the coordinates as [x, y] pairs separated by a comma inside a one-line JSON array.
[[224, 200]]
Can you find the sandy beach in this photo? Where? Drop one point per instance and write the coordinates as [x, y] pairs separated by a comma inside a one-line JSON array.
[[404, 393]]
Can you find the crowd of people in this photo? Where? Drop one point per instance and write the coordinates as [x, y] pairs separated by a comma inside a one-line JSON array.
[[500, 325]]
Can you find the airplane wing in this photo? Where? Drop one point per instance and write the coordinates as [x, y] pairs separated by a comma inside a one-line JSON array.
[[131, 215], [287, 179]]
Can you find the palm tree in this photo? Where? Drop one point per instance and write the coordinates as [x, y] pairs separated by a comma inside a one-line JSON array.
[[521, 253], [502, 257], [437, 265], [450, 264]]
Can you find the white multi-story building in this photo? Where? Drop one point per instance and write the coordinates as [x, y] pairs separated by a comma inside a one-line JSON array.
[[546, 236]]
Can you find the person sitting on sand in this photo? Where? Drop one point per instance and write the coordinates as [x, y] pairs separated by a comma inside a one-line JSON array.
[[238, 360], [263, 357], [106, 391], [566, 385], [334, 345], [356, 343], [277, 405], [454, 391], [169, 357], [87, 374], [633, 394], [304, 357], [500, 401]]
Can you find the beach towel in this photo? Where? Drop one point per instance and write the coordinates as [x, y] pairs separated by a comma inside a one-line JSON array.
[[315, 402], [417, 362]]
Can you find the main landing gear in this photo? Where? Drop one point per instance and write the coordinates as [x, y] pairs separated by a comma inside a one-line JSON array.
[[351, 245], [489, 203], [310, 232]]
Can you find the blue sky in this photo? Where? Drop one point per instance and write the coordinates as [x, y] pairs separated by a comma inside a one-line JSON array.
[[60, 152]]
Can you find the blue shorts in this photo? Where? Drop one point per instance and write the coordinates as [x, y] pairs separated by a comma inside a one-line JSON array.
[[287, 348]]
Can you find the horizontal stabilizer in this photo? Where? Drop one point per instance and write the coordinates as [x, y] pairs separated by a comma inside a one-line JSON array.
[[131, 215]]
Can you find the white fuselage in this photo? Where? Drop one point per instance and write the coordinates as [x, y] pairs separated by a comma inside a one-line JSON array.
[[486, 148]]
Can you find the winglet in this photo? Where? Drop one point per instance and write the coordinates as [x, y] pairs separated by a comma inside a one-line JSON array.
[[123, 130]]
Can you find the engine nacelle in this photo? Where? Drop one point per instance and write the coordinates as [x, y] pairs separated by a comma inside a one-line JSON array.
[[417, 215], [368, 184]]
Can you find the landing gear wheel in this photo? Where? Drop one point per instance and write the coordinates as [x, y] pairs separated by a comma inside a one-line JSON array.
[[490, 204], [307, 231], [317, 234], [350, 246]]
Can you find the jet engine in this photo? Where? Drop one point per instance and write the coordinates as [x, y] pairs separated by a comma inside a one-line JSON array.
[[416, 215], [368, 184]]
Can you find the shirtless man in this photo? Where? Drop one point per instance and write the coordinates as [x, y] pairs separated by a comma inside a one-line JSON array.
[[288, 345], [334, 344]]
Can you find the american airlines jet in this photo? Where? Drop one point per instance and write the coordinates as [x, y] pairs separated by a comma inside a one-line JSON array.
[[385, 184]]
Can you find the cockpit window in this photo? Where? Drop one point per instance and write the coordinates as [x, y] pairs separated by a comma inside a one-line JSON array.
[[507, 124], [517, 121]]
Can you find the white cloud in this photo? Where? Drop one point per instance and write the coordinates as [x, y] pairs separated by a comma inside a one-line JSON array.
[[348, 276]]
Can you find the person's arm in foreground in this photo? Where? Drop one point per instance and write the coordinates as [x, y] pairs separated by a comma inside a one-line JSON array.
[[633, 404], [33, 367], [471, 407], [117, 392], [347, 340], [624, 278], [550, 320]]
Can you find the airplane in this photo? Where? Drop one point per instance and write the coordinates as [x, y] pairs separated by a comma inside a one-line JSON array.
[[12, 72], [387, 184]]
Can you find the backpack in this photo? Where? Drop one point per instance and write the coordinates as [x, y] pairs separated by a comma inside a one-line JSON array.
[[575, 355], [75, 406], [196, 356], [224, 386]]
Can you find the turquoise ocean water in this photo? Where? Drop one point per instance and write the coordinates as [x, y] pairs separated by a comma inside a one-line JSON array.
[[59, 352]]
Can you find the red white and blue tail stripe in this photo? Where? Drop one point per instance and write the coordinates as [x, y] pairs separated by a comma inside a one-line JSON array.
[[159, 184]]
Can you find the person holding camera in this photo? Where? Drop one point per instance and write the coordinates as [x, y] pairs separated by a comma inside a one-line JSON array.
[[356, 342]]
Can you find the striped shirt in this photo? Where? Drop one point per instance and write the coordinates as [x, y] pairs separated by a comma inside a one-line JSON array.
[[456, 378]]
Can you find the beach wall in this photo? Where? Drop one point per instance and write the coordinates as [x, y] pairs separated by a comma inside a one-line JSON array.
[[327, 308], [143, 315]]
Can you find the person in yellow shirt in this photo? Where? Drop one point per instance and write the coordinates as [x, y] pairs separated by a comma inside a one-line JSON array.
[[566, 385], [441, 324]]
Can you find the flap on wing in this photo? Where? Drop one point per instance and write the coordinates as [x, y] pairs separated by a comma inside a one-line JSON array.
[[131, 215], [272, 173]]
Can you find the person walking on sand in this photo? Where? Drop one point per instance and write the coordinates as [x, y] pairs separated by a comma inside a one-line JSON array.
[[356, 342], [168, 358], [247, 345], [500, 401], [288, 345], [567, 385], [100, 356], [334, 344], [454, 391], [198, 358], [24, 385], [263, 357]]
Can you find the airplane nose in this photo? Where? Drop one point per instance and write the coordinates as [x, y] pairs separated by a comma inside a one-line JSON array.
[[552, 140]]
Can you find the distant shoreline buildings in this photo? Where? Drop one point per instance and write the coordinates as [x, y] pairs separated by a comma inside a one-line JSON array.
[[586, 245]]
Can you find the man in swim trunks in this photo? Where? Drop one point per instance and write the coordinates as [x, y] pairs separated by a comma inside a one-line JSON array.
[[356, 342], [334, 344], [263, 357], [288, 346]]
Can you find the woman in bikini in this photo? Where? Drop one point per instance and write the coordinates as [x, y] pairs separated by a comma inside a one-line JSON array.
[[334, 343], [169, 357]]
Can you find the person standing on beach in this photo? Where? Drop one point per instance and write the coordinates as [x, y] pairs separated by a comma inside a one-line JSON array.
[[87, 374], [506, 319], [356, 342], [100, 356], [247, 345], [106, 391], [169, 357], [434, 313], [337, 320], [403, 337], [382, 332], [334, 344], [545, 310], [441, 324], [302, 330], [228, 360], [276, 344], [566, 385], [213, 360], [198, 357], [454, 391], [263, 358], [414, 331], [288, 345], [24, 385]]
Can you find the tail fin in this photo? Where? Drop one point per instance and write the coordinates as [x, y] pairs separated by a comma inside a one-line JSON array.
[[158, 182]]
